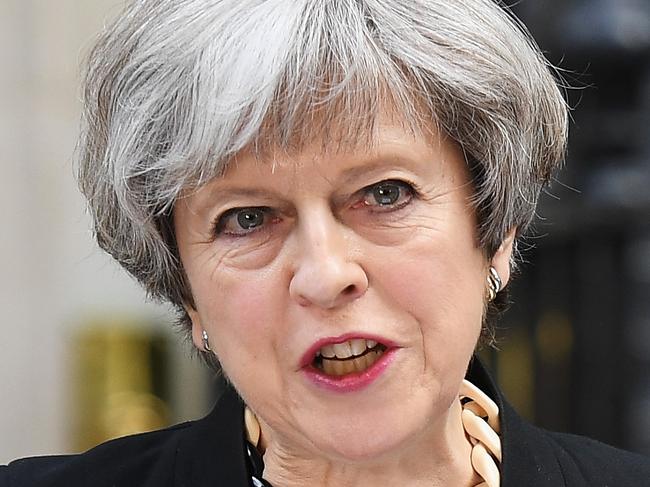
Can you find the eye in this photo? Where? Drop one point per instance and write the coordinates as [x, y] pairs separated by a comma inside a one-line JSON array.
[[243, 221], [388, 195]]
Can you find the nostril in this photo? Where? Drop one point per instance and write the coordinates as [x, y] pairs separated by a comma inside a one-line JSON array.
[[351, 289]]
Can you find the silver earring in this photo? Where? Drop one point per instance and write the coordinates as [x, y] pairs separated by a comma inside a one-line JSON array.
[[493, 284], [206, 341]]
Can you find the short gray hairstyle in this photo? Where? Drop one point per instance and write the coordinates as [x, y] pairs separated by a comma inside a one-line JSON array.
[[173, 89]]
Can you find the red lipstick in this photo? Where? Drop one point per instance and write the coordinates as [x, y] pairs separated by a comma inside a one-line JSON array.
[[353, 380]]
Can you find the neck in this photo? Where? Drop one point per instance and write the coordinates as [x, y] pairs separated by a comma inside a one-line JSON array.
[[439, 456]]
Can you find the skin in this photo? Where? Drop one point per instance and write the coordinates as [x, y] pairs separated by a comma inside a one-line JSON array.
[[328, 259]]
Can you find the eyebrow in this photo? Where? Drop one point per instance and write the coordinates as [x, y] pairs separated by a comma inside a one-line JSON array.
[[220, 195], [244, 192], [363, 167], [376, 164]]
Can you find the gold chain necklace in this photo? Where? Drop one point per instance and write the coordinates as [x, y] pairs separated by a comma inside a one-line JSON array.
[[480, 417]]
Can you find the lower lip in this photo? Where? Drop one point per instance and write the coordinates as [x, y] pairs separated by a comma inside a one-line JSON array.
[[354, 381]]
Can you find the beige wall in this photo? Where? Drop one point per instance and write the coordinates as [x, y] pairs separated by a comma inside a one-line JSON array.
[[52, 274]]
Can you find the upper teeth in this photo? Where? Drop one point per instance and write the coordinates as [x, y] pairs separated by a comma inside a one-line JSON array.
[[347, 349]]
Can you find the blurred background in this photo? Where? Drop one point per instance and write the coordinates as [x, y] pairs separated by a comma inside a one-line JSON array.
[[575, 347], [84, 356]]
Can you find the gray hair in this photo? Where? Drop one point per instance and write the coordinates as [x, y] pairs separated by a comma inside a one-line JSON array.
[[175, 88]]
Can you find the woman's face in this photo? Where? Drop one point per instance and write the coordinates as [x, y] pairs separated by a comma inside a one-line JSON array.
[[295, 259]]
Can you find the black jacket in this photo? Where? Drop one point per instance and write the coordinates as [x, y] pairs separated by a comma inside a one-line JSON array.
[[211, 452]]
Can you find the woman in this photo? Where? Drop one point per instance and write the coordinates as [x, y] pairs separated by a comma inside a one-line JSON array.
[[330, 192]]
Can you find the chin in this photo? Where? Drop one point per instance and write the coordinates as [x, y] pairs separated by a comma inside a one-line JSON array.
[[373, 436], [363, 450]]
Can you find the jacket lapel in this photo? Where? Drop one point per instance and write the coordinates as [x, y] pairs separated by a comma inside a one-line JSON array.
[[528, 457], [212, 452]]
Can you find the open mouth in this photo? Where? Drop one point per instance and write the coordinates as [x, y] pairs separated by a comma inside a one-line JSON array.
[[351, 356]]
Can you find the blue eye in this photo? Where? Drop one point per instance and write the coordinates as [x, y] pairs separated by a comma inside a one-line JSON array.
[[389, 194], [242, 221]]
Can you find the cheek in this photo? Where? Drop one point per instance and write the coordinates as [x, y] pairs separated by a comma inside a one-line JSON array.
[[441, 286], [436, 294], [441, 270], [238, 309]]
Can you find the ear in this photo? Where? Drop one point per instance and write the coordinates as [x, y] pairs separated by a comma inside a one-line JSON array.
[[197, 328], [501, 259]]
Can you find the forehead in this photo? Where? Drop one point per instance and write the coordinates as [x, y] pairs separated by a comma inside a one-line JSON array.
[[336, 153], [335, 127], [386, 133], [392, 150]]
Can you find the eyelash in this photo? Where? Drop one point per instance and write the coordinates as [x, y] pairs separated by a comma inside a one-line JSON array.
[[220, 223], [409, 188], [223, 219]]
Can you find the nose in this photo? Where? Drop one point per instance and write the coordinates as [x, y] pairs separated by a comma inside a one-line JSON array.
[[326, 273]]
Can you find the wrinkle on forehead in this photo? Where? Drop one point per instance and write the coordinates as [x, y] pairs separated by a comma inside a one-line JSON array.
[[392, 138], [362, 138]]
